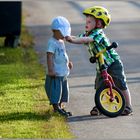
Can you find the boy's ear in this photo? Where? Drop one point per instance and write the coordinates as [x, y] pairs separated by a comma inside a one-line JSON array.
[[99, 23]]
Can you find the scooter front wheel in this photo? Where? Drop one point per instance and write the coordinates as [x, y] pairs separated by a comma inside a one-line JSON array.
[[105, 105]]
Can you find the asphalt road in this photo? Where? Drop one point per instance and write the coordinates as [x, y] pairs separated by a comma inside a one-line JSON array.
[[125, 29]]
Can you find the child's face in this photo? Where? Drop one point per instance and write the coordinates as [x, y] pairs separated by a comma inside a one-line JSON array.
[[90, 23], [57, 34]]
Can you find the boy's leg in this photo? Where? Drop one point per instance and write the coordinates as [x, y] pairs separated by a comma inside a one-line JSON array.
[[128, 109], [98, 83], [65, 90], [126, 93], [53, 91], [125, 90], [117, 72], [65, 95], [48, 87]]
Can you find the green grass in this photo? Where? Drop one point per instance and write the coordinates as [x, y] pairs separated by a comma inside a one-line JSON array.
[[24, 108]]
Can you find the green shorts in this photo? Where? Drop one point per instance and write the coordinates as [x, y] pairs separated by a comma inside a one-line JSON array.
[[116, 70]]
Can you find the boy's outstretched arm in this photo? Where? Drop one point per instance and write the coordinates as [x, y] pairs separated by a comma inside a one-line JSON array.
[[79, 40]]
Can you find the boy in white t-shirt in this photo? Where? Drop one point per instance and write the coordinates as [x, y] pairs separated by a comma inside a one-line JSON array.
[[58, 65]]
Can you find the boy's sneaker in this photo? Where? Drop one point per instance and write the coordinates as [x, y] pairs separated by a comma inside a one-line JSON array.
[[127, 111], [95, 111], [61, 112], [69, 113]]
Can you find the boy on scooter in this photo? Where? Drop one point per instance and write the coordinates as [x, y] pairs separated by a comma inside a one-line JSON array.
[[98, 18]]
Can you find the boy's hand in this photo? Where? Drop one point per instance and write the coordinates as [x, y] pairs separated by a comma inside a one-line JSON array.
[[68, 38], [51, 73], [70, 65]]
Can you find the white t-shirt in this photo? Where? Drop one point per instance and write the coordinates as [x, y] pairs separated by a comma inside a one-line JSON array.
[[61, 60]]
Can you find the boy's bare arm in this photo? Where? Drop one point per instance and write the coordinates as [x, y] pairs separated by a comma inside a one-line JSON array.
[[50, 64], [79, 40]]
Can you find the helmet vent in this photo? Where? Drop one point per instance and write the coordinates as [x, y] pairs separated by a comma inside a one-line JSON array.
[[99, 14], [108, 21], [105, 13], [92, 11]]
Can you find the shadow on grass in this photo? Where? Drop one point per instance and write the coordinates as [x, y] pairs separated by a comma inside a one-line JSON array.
[[29, 116]]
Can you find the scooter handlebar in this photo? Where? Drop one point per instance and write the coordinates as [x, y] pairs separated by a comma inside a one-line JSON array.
[[113, 45]]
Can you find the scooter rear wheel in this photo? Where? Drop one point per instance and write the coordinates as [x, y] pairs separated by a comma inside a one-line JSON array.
[[105, 105]]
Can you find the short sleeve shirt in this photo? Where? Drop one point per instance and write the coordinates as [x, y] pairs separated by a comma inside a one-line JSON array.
[[60, 59]]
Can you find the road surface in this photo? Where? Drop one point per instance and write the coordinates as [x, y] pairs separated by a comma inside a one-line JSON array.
[[125, 29]]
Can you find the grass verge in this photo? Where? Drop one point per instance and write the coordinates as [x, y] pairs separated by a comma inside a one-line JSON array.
[[24, 107]]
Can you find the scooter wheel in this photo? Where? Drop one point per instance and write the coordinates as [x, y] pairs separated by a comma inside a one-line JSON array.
[[105, 105]]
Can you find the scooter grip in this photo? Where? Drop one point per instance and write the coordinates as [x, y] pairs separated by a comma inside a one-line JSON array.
[[113, 45]]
